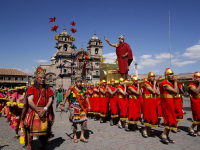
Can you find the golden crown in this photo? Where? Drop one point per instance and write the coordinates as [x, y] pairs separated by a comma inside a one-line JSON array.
[[196, 74], [151, 74], [134, 78]]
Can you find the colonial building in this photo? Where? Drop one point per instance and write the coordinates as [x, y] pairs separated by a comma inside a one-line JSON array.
[[94, 50], [13, 77]]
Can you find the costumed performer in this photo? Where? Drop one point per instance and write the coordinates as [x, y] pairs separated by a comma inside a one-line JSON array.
[[194, 91], [77, 98], [59, 100], [96, 101], [149, 105], [158, 108], [168, 89]]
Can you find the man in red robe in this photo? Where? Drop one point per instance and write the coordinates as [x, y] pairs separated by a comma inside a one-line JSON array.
[[38, 112], [124, 55]]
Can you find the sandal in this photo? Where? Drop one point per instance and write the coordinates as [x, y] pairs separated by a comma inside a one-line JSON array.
[[83, 140], [164, 140], [144, 134], [75, 140], [174, 131], [191, 133], [16, 137], [120, 126], [126, 128], [178, 130], [171, 141]]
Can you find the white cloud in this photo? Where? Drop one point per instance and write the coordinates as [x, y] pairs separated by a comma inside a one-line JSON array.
[[179, 63], [140, 67], [155, 71], [150, 62], [110, 57], [145, 56], [192, 52], [41, 61], [163, 56], [16, 68], [177, 53]]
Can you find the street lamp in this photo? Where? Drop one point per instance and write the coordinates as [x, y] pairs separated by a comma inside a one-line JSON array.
[[136, 72], [136, 65]]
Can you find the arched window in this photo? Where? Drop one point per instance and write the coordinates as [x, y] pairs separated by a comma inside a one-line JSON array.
[[65, 47], [97, 72], [96, 51]]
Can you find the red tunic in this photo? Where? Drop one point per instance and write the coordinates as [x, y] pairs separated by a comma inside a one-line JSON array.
[[141, 101], [168, 106], [123, 105], [96, 101], [123, 64], [90, 100], [195, 105], [149, 107], [179, 106], [134, 107], [113, 103], [159, 110], [45, 95], [104, 103]]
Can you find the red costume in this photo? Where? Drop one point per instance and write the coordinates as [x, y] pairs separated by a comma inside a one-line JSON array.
[[113, 103], [123, 104], [168, 106], [104, 100], [195, 105], [122, 49], [179, 106], [96, 101], [90, 100], [134, 107], [159, 110], [149, 107]]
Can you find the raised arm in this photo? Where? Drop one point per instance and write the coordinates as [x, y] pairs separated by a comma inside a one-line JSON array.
[[19, 99], [194, 90], [131, 90], [172, 90], [102, 91], [113, 45], [152, 91]]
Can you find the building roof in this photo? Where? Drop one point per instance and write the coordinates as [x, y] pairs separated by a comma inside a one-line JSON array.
[[13, 72], [64, 33]]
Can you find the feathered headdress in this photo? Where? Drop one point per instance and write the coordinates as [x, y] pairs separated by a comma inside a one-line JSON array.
[[39, 72]]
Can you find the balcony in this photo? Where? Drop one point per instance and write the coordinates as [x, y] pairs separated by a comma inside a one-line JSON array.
[[12, 81]]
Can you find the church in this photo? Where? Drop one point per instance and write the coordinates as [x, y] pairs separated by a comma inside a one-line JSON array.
[[94, 50]]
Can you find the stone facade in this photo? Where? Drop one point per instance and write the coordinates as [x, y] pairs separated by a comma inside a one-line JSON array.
[[94, 50]]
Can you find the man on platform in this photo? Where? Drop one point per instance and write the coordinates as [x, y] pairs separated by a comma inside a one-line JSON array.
[[168, 89], [124, 55], [194, 91], [39, 115]]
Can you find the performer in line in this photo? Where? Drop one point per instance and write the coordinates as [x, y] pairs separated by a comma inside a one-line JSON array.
[[112, 91], [96, 101], [104, 101], [149, 105], [123, 104], [178, 105], [141, 101], [134, 103], [89, 94], [124, 56], [159, 110], [168, 89], [38, 113], [194, 91], [77, 106]]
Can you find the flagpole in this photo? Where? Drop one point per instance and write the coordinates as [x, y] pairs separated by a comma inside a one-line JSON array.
[[169, 41]]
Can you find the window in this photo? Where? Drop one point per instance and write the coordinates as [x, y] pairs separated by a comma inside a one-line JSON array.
[[12, 78], [97, 72], [50, 77], [22, 79], [65, 71], [6, 78], [96, 51], [19, 79], [16, 79], [1, 78], [97, 64], [65, 47], [9, 78]]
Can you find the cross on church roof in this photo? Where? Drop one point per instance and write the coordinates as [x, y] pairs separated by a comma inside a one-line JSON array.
[[82, 45]]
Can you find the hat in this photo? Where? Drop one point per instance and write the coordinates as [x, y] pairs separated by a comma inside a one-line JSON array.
[[103, 81], [151, 74], [39, 72], [121, 80], [134, 78], [97, 82], [91, 83], [196, 74], [145, 79], [168, 71], [111, 80]]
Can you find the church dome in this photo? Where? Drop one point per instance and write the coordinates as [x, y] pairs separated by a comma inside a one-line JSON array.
[[64, 33], [95, 37]]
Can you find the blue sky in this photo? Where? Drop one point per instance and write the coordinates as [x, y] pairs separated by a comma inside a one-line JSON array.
[[26, 38]]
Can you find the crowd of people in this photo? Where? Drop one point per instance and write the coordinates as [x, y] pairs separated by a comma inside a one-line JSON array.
[[30, 109]]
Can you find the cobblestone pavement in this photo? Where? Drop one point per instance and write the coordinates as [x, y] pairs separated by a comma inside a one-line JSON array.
[[104, 137]]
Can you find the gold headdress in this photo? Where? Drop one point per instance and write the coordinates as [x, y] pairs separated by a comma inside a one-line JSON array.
[[168, 71], [111, 80], [121, 80], [97, 82], [134, 78], [39, 72], [151, 74], [196, 74]]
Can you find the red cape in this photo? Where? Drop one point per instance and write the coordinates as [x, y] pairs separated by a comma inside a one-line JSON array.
[[122, 49]]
